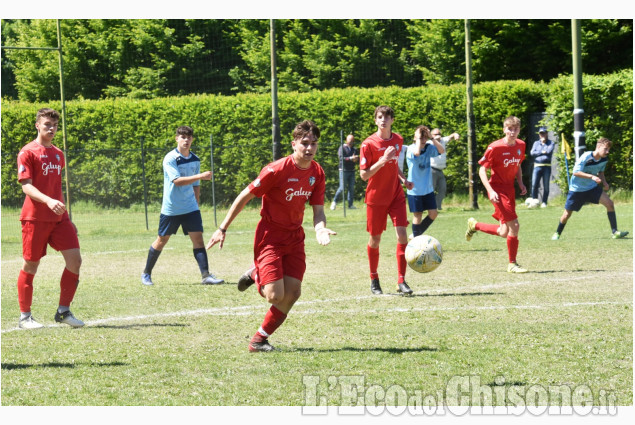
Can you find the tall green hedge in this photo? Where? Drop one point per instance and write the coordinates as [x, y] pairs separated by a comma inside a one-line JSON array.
[[104, 137]]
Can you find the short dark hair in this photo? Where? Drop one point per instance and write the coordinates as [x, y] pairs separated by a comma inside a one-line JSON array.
[[385, 110], [604, 141], [48, 113], [184, 131], [302, 129]]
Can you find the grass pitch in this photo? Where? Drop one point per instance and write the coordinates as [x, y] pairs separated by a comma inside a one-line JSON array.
[[566, 324]]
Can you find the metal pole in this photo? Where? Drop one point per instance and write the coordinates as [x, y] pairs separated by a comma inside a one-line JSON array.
[[143, 174], [275, 119], [579, 135], [211, 159], [341, 170], [61, 68], [471, 126]]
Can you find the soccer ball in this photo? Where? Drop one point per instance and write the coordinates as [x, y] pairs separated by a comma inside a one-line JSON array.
[[532, 202], [424, 254]]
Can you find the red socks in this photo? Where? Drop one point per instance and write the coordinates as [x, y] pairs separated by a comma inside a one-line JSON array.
[[273, 319], [512, 248], [68, 286], [401, 262], [491, 229], [25, 291], [373, 261]]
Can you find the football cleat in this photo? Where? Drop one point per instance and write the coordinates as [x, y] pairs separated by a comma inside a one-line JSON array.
[[375, 288], [245, 281], [260, 346], [29, 323], [471, 228], [619, 235], [555, 236], [210, 279], [515, 268], [146, 280], [68, 318], [404, 288]]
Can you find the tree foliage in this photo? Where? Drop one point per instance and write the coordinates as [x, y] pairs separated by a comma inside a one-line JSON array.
[[149, 58]]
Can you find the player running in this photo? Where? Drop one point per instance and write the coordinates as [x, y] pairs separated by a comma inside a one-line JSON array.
[[279, 258], [384, 195], [503, 158]]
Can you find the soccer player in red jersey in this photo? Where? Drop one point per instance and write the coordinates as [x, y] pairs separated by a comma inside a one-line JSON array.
[[45, 220], [503, 158], [385, 197], [285, 186]]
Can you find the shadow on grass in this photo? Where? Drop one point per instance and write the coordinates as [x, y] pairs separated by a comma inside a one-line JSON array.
[[144, 325], [392, 350], [568, 271], [17, 366]]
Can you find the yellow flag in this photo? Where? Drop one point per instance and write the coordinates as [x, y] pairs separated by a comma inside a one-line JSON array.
[[565, 149]]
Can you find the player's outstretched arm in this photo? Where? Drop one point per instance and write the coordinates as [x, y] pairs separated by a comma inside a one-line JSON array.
[[237, 206], [322, 234]]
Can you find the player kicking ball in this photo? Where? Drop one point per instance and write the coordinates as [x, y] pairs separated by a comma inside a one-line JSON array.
[[285, 186], [503, 158], [588, 184]]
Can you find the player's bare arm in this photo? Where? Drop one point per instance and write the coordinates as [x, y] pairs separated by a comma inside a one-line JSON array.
[[491, 194], [237, 206], [389, 154], [519, 179], [197, 194], [322, 234], [184, 181], [34, 193]]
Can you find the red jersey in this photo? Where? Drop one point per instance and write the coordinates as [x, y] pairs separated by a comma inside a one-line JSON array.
[[43, 165], [285, 188], [503, 161], [384, 186]]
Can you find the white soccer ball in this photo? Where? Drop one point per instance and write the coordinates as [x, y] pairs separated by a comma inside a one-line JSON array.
[[424, 254], [532, 202]]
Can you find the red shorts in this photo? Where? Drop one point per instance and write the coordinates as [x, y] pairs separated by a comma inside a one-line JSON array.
[[376, 216], [278, 253], [37, 234], [505, 209]]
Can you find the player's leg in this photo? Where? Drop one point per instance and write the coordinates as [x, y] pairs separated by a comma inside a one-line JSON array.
[[281, 293], [34, 242], [610, 212], [63, 238], [399, 218], [200, 255], [168, 225], [566, 215], [429, 203], [375, 225], [415, 205]]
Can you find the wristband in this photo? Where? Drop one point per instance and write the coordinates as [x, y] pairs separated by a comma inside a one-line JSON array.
[[222, 230]]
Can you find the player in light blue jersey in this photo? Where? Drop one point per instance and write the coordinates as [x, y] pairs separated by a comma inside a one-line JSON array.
[[588, 184], [421, 197], [180, 208]]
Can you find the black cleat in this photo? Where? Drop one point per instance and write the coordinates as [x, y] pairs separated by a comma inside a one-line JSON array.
[[374, 287], [260, 346], [245, 281], [404, 288]]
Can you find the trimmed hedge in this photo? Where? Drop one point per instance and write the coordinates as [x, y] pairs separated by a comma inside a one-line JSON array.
[[104, 137]]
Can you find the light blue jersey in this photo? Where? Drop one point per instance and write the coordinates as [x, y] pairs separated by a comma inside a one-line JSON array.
[[419, 169], [586, 164], [179, 200]]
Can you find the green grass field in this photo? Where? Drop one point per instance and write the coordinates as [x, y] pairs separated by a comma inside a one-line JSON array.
[[567, 324]]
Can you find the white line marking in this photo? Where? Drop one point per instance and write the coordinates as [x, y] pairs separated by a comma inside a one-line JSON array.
[[259, 308]]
